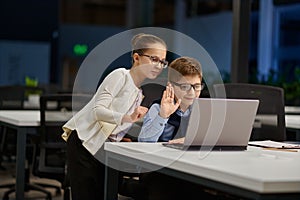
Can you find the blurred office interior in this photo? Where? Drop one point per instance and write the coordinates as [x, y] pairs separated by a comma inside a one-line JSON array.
[[256, 41]]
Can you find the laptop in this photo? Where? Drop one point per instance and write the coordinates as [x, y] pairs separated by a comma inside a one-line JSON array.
[[218, 124]]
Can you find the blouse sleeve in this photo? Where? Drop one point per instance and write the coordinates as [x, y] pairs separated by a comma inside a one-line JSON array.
[[106, 93]]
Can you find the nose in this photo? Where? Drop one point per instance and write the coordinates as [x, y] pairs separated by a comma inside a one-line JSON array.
[[159, 66], [191, 90]]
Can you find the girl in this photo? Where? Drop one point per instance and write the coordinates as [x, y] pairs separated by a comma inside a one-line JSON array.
[[109, 115]]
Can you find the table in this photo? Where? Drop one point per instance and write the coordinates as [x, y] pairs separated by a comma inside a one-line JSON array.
[[25, 122], [254, 173], [291, 121], [292, 110]]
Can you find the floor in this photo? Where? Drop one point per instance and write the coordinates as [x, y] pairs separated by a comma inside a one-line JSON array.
[[7, 176]]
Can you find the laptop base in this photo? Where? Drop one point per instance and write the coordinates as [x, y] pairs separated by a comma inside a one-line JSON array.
[[205, 148]]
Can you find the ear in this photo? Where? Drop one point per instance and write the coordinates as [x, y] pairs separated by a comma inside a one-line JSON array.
[[135, 57]]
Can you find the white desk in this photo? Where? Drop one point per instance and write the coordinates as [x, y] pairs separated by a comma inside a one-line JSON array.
[[254, 174], [291, 121], [292, 110], [25, 122]]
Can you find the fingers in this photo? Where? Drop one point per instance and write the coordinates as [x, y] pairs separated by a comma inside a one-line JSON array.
[[165, 95], [176, 141], [139, 113], [141, 110], [178, 103], [169, 91], [168, 94]]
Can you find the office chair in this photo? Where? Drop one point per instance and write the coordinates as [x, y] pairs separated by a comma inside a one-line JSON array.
[[151, 92], [271, 102], [13, 97], [50, 157], [49, 152]]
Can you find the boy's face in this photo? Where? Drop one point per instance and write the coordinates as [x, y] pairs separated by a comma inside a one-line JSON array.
[[188, 96]]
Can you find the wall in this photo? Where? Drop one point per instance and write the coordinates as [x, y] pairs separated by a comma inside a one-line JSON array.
[[19, 59]]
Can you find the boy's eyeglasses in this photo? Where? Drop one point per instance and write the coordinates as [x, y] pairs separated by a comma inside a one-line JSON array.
[[155, 60], [187, 87]]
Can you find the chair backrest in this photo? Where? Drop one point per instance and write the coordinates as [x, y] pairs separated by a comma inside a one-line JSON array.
[[271, 103], [12, 97], [55, 110], [151, 91]]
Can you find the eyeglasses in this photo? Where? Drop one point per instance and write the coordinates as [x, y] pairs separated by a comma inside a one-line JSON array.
[[188, 87], [155, 60]]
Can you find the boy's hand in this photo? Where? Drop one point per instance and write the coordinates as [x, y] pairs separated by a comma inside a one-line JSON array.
[[167, 105], [177, 141]]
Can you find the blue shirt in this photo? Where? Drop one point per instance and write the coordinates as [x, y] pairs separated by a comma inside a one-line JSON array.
[[155, 127]]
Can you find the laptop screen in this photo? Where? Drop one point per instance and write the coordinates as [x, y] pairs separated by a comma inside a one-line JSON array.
[[220, 122]]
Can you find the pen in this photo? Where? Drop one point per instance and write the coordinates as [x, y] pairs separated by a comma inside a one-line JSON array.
[[291, 147], [277, 149]]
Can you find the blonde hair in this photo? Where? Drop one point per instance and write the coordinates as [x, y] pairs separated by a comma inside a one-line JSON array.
[[184, 66], [142, 41]]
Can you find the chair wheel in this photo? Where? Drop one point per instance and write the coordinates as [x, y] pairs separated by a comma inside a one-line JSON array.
[[48, 197], [58, 192]]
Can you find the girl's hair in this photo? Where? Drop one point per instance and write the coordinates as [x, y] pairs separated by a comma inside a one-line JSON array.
[[142, 41], [184, 66]]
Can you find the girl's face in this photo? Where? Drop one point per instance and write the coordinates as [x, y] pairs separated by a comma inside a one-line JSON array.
[[187, 96], [151, 62]]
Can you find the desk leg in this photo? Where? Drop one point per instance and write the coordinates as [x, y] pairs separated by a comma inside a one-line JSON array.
[[20, 163], [297, 132], [111, 182]]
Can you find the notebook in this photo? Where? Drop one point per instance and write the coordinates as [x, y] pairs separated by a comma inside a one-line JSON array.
[[218, 124]]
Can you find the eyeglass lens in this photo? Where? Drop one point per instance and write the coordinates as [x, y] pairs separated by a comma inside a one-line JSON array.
[[155, 60]]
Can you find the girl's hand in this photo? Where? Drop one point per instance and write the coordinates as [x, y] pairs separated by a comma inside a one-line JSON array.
[[167, 104], [138, 113]]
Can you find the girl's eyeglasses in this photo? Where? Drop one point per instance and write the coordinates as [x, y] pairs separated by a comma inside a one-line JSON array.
[[155, 60]]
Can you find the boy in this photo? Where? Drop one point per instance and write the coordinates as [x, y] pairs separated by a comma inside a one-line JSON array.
[[162, 121]]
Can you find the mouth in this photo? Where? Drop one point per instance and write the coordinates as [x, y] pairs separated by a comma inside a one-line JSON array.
[[155, 73], [189, 98]]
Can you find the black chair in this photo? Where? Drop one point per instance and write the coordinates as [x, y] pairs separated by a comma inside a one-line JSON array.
[[152, 92], [271, 103], [49, 152], [13, 98], [50, 157]]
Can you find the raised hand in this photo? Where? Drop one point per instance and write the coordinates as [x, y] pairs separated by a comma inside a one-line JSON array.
[[167, 104]]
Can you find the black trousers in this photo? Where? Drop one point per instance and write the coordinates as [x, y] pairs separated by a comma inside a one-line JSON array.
[[85, 171]]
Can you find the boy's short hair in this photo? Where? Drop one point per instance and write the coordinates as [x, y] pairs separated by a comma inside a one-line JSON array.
[[184, 66]]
